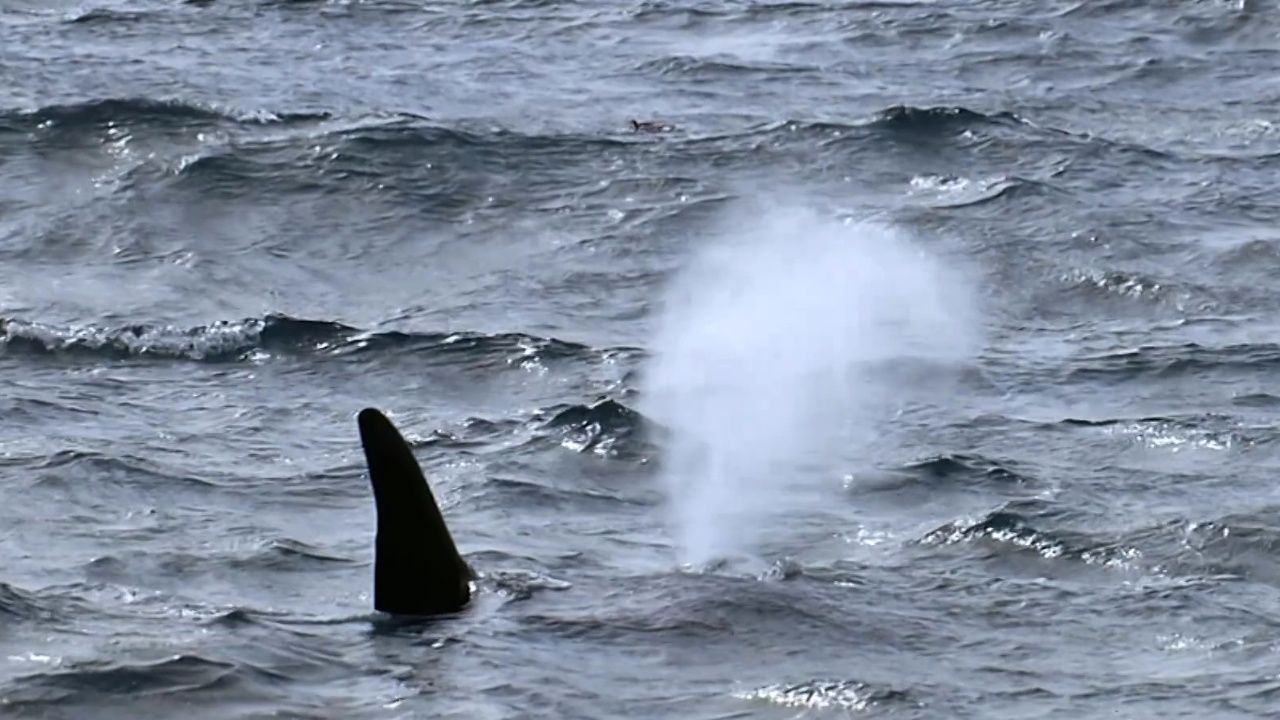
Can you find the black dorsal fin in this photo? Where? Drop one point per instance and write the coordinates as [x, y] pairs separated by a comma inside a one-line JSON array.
[[416, 566]]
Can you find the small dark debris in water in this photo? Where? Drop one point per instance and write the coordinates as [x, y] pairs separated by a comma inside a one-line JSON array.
[[650, 126]]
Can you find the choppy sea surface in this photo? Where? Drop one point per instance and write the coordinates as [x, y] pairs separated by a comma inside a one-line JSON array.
[[226, 226]]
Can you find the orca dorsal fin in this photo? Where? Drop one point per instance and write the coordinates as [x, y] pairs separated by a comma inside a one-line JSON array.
[[416, 567]]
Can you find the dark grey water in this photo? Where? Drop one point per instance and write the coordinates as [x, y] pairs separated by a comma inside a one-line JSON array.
[[227, 226]]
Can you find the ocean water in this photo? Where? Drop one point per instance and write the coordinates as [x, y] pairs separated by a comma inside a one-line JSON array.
[[923, 363]]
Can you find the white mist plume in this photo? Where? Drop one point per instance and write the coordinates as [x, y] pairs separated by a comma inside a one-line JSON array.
[[759, 362]]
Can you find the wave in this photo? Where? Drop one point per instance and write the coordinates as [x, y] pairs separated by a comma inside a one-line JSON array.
[[1256, 400], [1002, 528], [1175, 360], [434, 166], [897, 119], [78, 463], [955, 192], [258, 339], [233, 618], [934, 120], [680, 606], [1203, 431], [408, 132], [606, 427], [943, 472], [1092, 283], [1239, 546], [387, 138], [509, 492], [847, 695], [98, 16], [471, 433], [1014, 529], [523, 584], [1254, 255], [141, 111], [287, 554], [110, 680], [19, 603], [938, 121], [222, 340], [950, 467], [694, 66], [274, 555]]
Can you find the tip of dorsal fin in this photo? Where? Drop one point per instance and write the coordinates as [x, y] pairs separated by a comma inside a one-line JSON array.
[[416, 567]]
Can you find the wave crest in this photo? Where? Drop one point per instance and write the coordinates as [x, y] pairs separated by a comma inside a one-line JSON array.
[[143, 111], [847, 695], [256, 339]]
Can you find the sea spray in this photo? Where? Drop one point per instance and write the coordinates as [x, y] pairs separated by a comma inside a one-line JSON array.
[[763, 357]]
